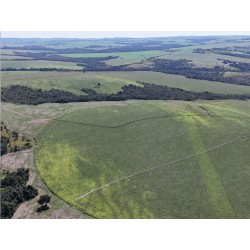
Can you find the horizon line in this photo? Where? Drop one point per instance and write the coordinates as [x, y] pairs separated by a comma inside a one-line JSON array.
[[116, 34]]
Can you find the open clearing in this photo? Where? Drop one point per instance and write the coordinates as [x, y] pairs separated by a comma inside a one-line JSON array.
[[112, 82], [151, 159]]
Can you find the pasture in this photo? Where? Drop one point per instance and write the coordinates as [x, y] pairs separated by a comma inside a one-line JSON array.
[[150, 159]]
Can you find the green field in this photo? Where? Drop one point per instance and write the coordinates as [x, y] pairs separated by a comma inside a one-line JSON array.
[[201, 60], [112, 82], [133, 158], [124, 57], [160, 159], [38, 64]]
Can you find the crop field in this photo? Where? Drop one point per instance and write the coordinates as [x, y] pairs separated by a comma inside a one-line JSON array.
[[150, 159], [112, 82]]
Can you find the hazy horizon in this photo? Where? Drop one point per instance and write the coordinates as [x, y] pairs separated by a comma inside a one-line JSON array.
[[116, 34]]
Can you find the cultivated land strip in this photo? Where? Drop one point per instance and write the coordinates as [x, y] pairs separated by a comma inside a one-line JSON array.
[[159, 166]]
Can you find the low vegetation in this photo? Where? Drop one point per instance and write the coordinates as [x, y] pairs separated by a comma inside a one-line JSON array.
[[12, 141]]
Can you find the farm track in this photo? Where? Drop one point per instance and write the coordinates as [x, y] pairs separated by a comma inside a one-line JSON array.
[[159, 166]]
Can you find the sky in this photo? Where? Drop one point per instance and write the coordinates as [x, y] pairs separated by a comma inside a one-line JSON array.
[[110, 34]]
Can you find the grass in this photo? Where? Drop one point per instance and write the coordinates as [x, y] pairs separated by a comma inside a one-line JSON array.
[[112, 82], [17, 64], [74, 159]]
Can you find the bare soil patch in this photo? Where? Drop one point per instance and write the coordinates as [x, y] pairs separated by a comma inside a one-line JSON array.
[[40, 121]]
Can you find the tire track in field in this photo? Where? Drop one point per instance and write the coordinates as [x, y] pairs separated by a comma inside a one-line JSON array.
[[159, 166]]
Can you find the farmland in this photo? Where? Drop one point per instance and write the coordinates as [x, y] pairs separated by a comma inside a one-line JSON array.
[[123, 57], [192, 172], [111, 82], [200, 60], [38, 64], [130, 127]]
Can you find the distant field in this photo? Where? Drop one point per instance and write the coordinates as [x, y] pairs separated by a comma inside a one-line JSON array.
[[68, 81], [124, 57], [38, 64], [12, 57], [181, 82], [84, 44], [13, 52], [112, 82], [223, 44], [201, 60], [158, 159]]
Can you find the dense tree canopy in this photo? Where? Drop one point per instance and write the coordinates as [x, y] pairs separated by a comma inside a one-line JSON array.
[[14, 191], [147, 91]]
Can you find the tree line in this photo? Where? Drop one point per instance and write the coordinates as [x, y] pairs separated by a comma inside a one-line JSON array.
[[147, 91]]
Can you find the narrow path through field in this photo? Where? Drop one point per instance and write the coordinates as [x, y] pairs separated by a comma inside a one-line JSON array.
[[159, 166]]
